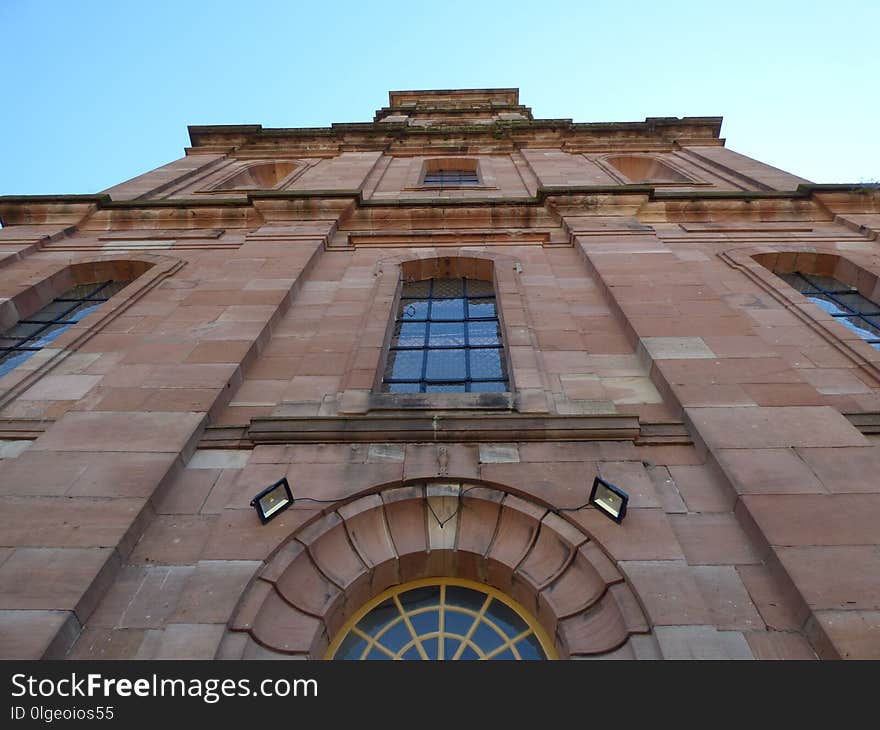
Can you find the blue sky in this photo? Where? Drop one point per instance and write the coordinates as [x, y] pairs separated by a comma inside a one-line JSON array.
[[96, 92]]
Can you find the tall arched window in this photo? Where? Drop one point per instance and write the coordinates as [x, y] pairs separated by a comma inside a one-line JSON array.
[[36, 331], [447, 338]]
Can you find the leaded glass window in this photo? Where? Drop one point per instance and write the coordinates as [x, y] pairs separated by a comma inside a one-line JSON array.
[[451, 177], [446, 619], [447, 338], [37, 331], [842, 302]]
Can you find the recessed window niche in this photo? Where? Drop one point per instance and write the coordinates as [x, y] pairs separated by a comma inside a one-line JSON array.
[[640, 169], [259, 176]]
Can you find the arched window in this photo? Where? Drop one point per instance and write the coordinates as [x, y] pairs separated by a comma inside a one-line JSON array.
[[447, 338], [442, 619], [36, 331], [843, 302]]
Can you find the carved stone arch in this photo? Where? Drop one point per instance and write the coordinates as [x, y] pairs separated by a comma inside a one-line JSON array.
[[484, 263], [335, 564]]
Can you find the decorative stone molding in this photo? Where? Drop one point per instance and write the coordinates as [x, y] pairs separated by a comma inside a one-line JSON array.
[[338, 562]]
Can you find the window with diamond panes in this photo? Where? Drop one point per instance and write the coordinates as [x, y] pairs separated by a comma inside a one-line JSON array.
[[447, 338], [37, 331], [451, 177], [842, 302], [446, 620]]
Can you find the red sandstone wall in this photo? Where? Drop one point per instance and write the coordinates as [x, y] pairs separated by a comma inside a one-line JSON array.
[[751, 533]]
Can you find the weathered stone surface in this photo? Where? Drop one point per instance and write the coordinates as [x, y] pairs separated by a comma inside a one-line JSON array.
[[727, 598], [854, 634], [578, 588], [101, 643], [95, 431], [213, 590], [369, 534], [713, 539], [517, 530], [768, 471], [780, 608], [284, 628], [548, 558], [835, 577], [702, 642], [779, 427], [668, 590], [702, 488], [385, 452], [632, 477], [238, 535], [303, 585], [407, 522], [219, 459], [815, 519], [36, 634], [779, 645], [80, 522], [333, 554], [668, 492], [70, 579], [141, 597], [182, 641], [844, 470], [676, 348], [187, 491], [595, 631], [645, 534], [498, 453], [174, 540], [480, 510]]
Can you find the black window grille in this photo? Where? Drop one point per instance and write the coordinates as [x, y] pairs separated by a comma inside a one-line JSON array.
[[451, 177], [842, 302], [34, 333], [447, 338]]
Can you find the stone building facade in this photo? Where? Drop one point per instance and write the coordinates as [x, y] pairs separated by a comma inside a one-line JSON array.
[[288, 303]]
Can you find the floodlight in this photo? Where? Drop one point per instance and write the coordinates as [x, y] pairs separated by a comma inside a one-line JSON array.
[[272, 500], [609, 500]]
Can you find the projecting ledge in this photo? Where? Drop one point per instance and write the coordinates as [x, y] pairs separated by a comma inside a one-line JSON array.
[[461, 428]]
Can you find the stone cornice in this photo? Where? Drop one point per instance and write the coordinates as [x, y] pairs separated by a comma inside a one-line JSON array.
[[409, 428], [691, 130], [74, 209]]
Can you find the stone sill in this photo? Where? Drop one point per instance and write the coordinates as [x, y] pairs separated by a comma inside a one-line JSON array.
[[441, 401]]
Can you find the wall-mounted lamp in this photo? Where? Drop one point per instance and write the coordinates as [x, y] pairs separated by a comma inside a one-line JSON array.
[[609, 500], [272, 500]]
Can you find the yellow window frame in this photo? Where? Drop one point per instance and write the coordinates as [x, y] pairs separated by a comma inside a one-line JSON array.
[[480, 618]]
